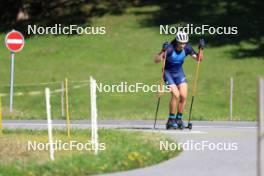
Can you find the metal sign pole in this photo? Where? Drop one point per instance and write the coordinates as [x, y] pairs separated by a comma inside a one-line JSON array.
[[12, 81]]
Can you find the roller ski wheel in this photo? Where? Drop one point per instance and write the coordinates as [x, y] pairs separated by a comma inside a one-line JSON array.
[[189, 126], [180, 124], [180, 127]]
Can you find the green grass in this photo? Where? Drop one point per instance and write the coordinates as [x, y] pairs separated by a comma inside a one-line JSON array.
[[123, 151], [126, 53]]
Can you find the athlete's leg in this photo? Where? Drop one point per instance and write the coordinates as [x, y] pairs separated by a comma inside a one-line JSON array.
[[171, 123], [183, 91], [175, 94], [183, 98]]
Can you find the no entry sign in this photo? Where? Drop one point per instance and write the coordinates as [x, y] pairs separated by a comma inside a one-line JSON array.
[[14, 41]]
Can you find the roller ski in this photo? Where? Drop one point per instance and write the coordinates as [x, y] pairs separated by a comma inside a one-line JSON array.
[[181, 123], [189, 126]]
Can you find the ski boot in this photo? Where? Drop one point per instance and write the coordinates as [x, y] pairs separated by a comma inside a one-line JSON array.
[[171, 124]]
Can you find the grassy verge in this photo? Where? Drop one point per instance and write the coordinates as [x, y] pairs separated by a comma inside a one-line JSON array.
[[124, 151]]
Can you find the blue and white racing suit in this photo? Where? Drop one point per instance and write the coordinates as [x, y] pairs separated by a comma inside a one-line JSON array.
[[173, 73]]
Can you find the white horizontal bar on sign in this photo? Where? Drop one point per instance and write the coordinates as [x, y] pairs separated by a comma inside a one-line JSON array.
[[14, 41]]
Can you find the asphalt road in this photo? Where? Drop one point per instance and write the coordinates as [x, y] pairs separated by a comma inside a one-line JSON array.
[[238, 158]]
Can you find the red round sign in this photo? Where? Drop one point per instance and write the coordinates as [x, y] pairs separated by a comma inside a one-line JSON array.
[[14, 41]]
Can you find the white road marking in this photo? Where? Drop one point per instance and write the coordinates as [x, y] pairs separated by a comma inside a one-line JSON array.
[[246, 127], [126, 127], [178, 131], [185, 132]]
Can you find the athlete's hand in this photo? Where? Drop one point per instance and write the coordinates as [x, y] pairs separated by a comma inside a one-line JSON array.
[[201, 44], [164, 55], [165, 46], [200, 55]]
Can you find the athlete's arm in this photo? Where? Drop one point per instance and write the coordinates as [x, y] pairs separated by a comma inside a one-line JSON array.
[[161, 54], [159, 57], [190, 51], [194, 56], [197, 56]]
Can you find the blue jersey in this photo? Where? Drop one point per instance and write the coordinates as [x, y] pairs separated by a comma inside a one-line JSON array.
[[175, 59]]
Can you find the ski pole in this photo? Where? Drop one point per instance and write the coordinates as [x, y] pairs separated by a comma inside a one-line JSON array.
[[194, 86], [160, 88]]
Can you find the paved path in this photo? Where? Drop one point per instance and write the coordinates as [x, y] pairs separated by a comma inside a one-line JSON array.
[[241, 162]]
